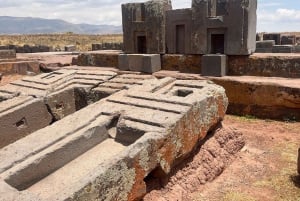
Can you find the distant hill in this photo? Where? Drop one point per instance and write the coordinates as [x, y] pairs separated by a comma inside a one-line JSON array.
[[29, 25]]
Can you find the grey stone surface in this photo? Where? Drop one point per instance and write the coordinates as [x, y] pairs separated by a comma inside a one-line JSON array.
[[33, 103], [209, 27], [107, 46], [283, 49], [70, 48], [265, 46], [214, 65], [21, 116], [178, 31], [147, 63], [7, 54], [105, 150], [144, 26], [123, 63], [273, 36], [288, 40], [297, 48]]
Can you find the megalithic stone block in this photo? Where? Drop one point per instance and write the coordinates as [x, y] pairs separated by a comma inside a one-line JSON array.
[[106, 150], [214, 65], [147, 63]]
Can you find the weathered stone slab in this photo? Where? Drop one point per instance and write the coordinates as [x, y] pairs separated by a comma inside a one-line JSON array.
[[147, 63], [38, 101], [214, 65], [105, 150], [288, 40], [70, 48], [273, 36], [21, 116], [283, 49], [99, 58], [116, 84], [265, 46], [19, 67], [7, 54], [271, 98]]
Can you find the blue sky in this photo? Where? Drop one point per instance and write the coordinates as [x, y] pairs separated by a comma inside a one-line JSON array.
[[273, 15]]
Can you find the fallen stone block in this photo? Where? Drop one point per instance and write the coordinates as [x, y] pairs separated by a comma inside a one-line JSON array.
[[55, 95], [262, 97], [106, 150], [21, 116]]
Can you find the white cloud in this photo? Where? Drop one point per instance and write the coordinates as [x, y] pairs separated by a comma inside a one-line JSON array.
[[279, 20], [273, 15]]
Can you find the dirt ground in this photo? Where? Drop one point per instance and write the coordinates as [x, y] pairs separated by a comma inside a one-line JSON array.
[[265, 169]]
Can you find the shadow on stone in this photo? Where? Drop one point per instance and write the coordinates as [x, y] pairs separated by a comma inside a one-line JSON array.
[[296, 180]]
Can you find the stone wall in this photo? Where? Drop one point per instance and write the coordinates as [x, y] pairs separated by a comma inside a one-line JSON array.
[[98, 59], [107, 46], [7, 54], [27, 48]]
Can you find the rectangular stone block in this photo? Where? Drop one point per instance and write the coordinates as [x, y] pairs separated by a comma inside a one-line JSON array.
[[20, 116], [123, 62], [214, 65], [283, 49], [288, 40], [297, 49], [70, 48], [151, 63], [147, 63], [273, 36], [7, 54], [100, 151], [265, 44]]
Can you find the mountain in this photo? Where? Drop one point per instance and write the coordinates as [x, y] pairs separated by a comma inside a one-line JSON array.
[[29, 25]]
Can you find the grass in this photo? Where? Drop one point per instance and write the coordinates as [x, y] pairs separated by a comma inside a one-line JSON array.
[[237, 196], [284, 183], [83, 42]]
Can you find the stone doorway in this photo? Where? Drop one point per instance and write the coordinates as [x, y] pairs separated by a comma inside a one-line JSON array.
[[217, 44], [142, 44]]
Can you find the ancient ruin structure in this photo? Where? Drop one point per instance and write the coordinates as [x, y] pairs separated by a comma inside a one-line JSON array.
[[106, 150], [209, 27], [277, 43]]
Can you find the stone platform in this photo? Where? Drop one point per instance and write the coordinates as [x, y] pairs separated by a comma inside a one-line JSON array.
[[107, 149], [262, 97], [258, 64]]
